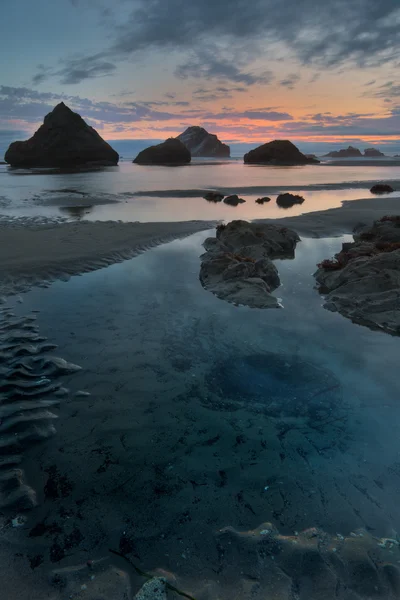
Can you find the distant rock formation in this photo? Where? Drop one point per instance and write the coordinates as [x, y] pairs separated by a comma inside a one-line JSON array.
[[170, 152], [381, 188], [278, 152], [372, 152], [203, 144], [362, 282], [263, 200], [237, 266], [287, 200], [213, 196], [234, 200], [64, 140], [349, 152]]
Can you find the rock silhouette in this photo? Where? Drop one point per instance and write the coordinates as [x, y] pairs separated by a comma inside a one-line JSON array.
[[170, 152], [278, 152], [64, 140], [201, 143]]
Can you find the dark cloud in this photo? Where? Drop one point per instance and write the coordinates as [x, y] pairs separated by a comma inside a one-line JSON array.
[[206, 65], [290, 81], [388, 90], [332, 33], [347, 125], [217, 93], [30, 105]]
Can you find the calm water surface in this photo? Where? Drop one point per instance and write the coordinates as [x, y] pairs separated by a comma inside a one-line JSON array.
[[137, 193]]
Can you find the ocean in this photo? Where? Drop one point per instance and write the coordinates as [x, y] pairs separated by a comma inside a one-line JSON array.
[[131, 192]]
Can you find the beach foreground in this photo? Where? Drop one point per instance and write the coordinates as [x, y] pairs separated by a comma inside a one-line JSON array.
[[33, 253], [220, 447]]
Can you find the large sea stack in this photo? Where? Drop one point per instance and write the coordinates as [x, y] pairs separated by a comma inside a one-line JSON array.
[[170, 152], [278, 152], [64, 140], [203, 144]]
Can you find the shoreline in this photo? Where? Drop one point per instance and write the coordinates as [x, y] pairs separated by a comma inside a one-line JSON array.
[[335, 222], [35, 253]]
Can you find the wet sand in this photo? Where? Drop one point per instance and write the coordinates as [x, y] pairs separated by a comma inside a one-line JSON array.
[[339, 221], [32, 253]]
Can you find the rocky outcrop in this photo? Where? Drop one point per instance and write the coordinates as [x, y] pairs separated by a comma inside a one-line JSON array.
[[349, 152], [287, 200], [213, 196], [381, 188], [200, 143], [237, 266], [234, 200], [64, 140], [362, 282], [372, 152], [263, 200], [278, 152], [170, 152]]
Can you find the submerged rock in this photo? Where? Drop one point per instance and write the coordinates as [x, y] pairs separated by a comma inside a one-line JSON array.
[[237, 265], [213, 196], [316, 564], [170, 152], [362, 282], [64, 140], [349, 152], [263, 200], [200, 143], [234, 200], [381, 188], [287, 200], [278, 152], [154, 589]]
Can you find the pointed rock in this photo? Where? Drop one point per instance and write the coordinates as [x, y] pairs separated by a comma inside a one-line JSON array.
[[203, 144], [64, 140]]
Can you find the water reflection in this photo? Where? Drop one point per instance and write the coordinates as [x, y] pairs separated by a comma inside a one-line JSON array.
[[204, 415]]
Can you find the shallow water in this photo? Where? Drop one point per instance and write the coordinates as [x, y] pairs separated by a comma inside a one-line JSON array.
[[202, 414], [138, 193]]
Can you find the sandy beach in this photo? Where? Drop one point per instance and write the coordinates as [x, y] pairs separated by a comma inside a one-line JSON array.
[[339, 221], [34, 253]]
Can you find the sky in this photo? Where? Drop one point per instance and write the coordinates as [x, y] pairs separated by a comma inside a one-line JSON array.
[[248, 70]]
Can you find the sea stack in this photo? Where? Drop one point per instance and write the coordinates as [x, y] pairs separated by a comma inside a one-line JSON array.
[[64, 140], [349, 152], [278, 152], [170, 152], [200, 143]]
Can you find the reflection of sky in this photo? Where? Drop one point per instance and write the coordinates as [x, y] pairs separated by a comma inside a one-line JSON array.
[[176, 194], [153, 310]]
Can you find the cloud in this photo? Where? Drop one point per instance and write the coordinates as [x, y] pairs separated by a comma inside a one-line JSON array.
[[21, 103], [338, 33], [206, 65], [390, 89], [290, 81], [252, 115]]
